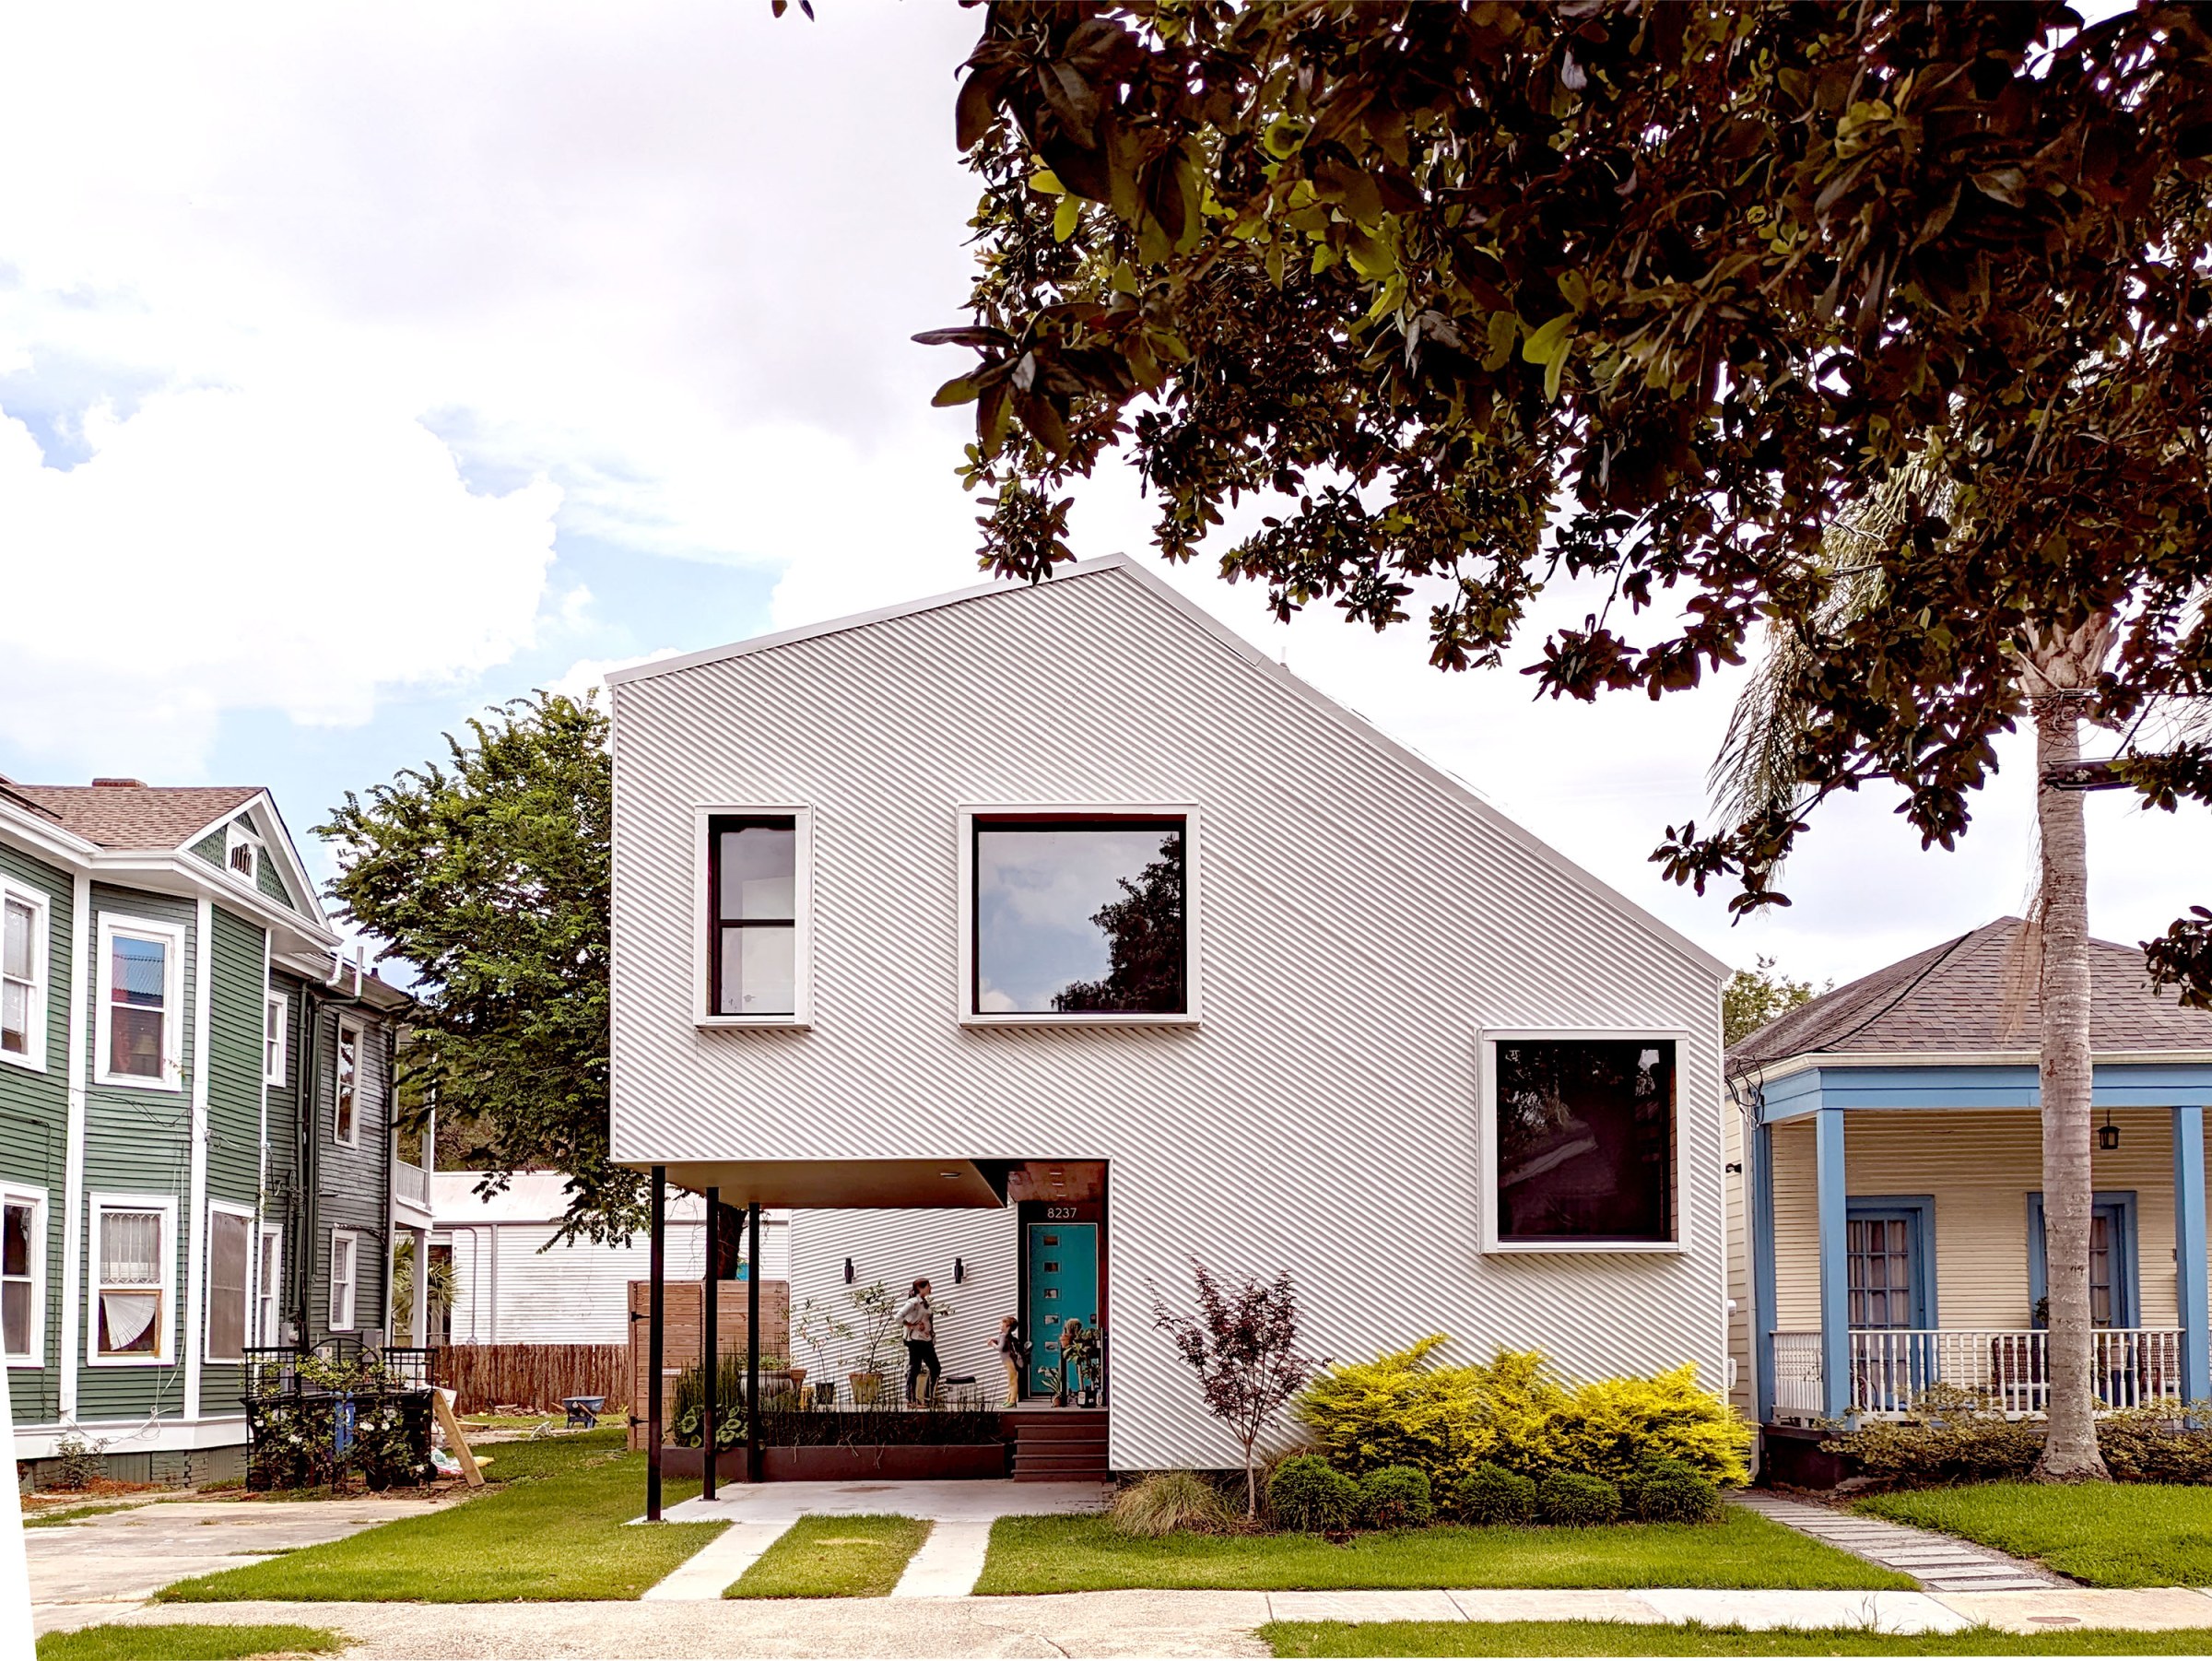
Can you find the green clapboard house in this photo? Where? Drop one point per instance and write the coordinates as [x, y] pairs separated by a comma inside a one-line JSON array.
[[195, 1120]]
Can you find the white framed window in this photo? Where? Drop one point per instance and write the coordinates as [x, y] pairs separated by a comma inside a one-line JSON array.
[[268, 1287], [23, 1274], [134, 1268], [230, 1281], [242, 852], [140, 1023], [345, 1095], [1078, 914], [24, 973], [752, 935], [1581, 1139], [345, 1270], [275, 1037]]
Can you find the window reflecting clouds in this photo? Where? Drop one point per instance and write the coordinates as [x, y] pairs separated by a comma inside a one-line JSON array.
[[1077, 917]]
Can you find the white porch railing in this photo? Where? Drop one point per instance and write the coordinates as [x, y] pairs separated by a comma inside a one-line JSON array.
[[411, 1182], [1890, 1369]]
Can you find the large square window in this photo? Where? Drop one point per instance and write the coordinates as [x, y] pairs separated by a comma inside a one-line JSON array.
[[1585, 1141], [1079, 917], [753, 917]]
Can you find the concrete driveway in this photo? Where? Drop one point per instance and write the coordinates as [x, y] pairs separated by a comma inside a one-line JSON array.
[[89, 1572]]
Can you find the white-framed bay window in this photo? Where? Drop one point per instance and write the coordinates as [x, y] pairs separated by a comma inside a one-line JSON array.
[[1078, 914], [275, 1037], [134, 1280], [1581, 1139], [25, 971], [344, 1276], [22, 1275], [345, 1090], [139, 1027], [230, 1281], [752, 930]]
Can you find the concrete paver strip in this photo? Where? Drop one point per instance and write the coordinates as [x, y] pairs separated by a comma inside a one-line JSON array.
[[931, 1501], [706, 1572], [948, 1562], [1762, 1612], [2145, 1609], [1529, 1602], [1363, 1605], [1938, 1562]]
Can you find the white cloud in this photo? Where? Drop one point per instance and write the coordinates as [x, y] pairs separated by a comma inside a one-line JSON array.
[[292, 547]]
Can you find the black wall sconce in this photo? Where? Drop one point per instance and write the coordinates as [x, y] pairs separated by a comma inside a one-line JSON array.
[[848, 1271], [2107, 1134], [959, 1272]]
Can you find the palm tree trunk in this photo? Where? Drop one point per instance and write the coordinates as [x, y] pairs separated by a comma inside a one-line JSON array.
[[2070, 1441]]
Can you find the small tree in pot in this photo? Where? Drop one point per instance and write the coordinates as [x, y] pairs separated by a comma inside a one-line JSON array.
[[1244, 1346], [876, 1310]]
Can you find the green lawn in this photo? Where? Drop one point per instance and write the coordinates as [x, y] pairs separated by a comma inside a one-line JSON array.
[[185, 1643], [834, 1557], [1626, 1638], [551, 1526], [2135, 1534], [1085, 1554]]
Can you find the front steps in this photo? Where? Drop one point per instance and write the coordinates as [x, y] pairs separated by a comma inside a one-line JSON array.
[[1059, 1445]]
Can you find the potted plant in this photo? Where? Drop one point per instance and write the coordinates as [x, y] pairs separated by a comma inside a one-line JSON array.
[[875, 1311], [818, 1329]]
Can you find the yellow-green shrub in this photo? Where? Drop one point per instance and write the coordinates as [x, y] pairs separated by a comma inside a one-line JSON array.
[[1446, 1418]]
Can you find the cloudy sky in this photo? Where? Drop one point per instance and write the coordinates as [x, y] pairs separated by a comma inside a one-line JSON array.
[[361, 366]]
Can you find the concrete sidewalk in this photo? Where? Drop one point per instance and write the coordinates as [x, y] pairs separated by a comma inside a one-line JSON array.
[[1123, 1623]]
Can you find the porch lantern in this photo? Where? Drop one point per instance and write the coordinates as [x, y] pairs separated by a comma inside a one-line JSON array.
[[2107, 1134]]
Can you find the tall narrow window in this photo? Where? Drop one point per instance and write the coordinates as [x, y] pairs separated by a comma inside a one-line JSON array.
[[268, 1288], [229, 1255], [141, 988], [1585, 1141], [1080, 915], [275, 1011], [1879, 1253], [344, 1262], [22, 977], [344, 1120], [132, 1320], [22, 1239], [752, 951]]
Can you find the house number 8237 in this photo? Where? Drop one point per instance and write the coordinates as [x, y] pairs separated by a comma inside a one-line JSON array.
[[1059, 1213]]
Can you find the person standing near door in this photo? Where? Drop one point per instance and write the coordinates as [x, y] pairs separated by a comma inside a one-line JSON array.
[[1013, 1351], [918, 1321]]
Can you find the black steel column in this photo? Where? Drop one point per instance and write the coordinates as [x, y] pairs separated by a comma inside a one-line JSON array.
[[752, 1344], [655, 1331], [709, 1307]]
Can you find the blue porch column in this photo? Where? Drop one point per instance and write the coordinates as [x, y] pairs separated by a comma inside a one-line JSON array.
[[2189, 1264], [1762, 1271], [1835, 1266]]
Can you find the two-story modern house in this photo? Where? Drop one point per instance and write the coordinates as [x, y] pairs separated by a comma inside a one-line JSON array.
[[194, 1154], [1042, 940], [1894, 1178]]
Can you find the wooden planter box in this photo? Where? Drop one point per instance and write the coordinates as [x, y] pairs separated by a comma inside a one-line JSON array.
[[902, 1463]]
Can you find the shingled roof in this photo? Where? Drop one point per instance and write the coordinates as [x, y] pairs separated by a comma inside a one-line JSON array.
[[134, 816], [1977, 995]]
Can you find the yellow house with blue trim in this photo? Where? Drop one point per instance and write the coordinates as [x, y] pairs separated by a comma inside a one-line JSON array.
[[1893, 1155]]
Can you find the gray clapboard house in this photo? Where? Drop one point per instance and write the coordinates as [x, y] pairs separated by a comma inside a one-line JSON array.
[[172, 1190]]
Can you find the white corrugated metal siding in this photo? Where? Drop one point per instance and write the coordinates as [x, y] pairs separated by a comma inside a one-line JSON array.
[[1361, 918], [573, 1293], [898, 1248]]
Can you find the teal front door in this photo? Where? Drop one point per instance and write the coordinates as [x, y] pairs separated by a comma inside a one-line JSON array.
[[1063, 1282]]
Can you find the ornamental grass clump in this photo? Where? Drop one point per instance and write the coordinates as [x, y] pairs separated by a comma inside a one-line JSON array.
[[1306, 1494], [1397, 1496], [1171, 1502], [1447, 1418]]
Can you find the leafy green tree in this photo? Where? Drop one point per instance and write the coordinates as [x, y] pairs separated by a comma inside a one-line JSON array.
[[1655, 295], [490, 877], [1755, 996]]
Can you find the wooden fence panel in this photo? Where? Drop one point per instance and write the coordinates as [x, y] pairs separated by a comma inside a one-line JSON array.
[[532, 1376], [679, 1335]]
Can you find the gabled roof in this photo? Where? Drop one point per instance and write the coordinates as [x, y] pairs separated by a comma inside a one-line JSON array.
[[1977, 995], [1165, 594], [152, 818]]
